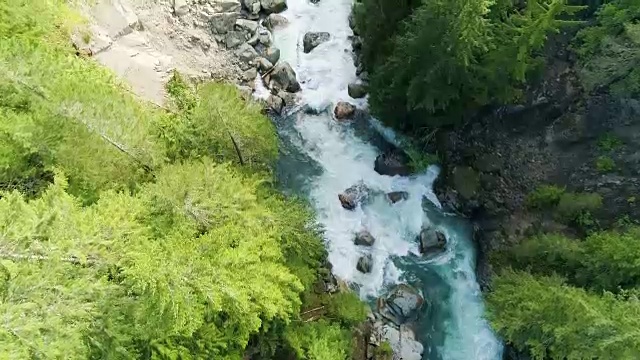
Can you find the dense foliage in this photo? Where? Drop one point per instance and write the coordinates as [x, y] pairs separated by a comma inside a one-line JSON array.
[[131, 232]]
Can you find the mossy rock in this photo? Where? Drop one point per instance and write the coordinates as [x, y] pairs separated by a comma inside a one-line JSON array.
[[465, 181]]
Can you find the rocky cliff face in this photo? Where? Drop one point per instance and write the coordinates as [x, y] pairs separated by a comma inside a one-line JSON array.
[[560, 134]]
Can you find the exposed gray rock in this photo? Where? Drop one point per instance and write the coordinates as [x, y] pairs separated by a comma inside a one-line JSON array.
[[403, 342], [275, 21], [253, 6], [247, 26], [353, 196], [222, 6], [401, 305], [344, 110], [312, 39], [392, 163], [357, 91], [250, 74], [289, 98], [364, 238], [432, 241], [246, 53], [272, 54], [273, 6], [284, 78], [233, 39], [275, 103], [180, 7], [264, 37], [396, 196], [263, 64], [222, 23], [245, 91], [365, 263]]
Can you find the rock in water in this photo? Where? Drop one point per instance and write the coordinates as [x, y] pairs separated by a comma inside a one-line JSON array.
[[312, 39], [392, 163], [264, 65], [357, 91], [272, 54], [344, 110], [365, 263], [275, 103], [402, 304], [432, 242], [396, 196], [364, 238], [284, 78], [180, 7], [353, 196], [273, 6], [275, 21], [253, 6]]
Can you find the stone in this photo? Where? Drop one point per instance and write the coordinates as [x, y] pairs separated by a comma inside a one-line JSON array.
[[397, 196], [403, 342], [365, 263], [284, 78], [289, 98], [246, 53], [233, 39], [245, 91], [353, 196], [274, 21], [392, 163], [272, 54], [344, 110], [357, 91], [250, 74], [264, 37], [275, 103], [312, 39], [252, 6], [465, 181], [314, 1], [432, 242], [247, 26], [273, 6], [222, 23], [264, 65], [401, 305], [364, 238], [223, 6], [488, 163], [180, 7]]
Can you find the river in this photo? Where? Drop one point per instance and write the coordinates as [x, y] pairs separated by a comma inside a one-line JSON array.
[[322, 157]]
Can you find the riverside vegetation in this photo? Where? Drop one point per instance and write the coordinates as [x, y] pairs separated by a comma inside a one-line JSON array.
[[129, 231], [566, 294]]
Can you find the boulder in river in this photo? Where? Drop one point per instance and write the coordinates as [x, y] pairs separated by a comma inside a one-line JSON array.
[[357, 91], [396, 196], [432, 241], [312, 39], [284, 78], [365, 263], [275, 21], [264, 65], [364, 238], [275, 103], [401, 304], [273, 6], [272, 54], [344, 110], [353, 196], [392, 163]]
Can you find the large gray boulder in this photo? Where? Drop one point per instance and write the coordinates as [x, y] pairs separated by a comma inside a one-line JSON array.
[[365, 264], [252, 6], [180, 7], [274, 21], [249, 27], [312, 39], [264, 37], [246, 53], [233, 39], [222, 6], [273, 6], [284, 78], [275, 103], [401, 305], [364, 238], [392, 163], [272, 54], [264, 65], [357, 91], [402, 340], [432, 241], [221, 23], [396, 196], [354, 196]]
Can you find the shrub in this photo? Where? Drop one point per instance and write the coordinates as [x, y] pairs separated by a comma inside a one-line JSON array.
[[545, 196], [609, 142], [605, 164], [572, 206], [347, 308]]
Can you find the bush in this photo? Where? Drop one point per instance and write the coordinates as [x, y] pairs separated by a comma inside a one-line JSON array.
[[576, 206], [347, 308], [545, 196], [605, 164]]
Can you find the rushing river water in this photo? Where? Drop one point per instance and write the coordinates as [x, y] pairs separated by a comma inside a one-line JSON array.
[[321, 158]]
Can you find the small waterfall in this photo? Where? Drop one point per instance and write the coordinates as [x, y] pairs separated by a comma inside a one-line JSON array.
[[322, 157]]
